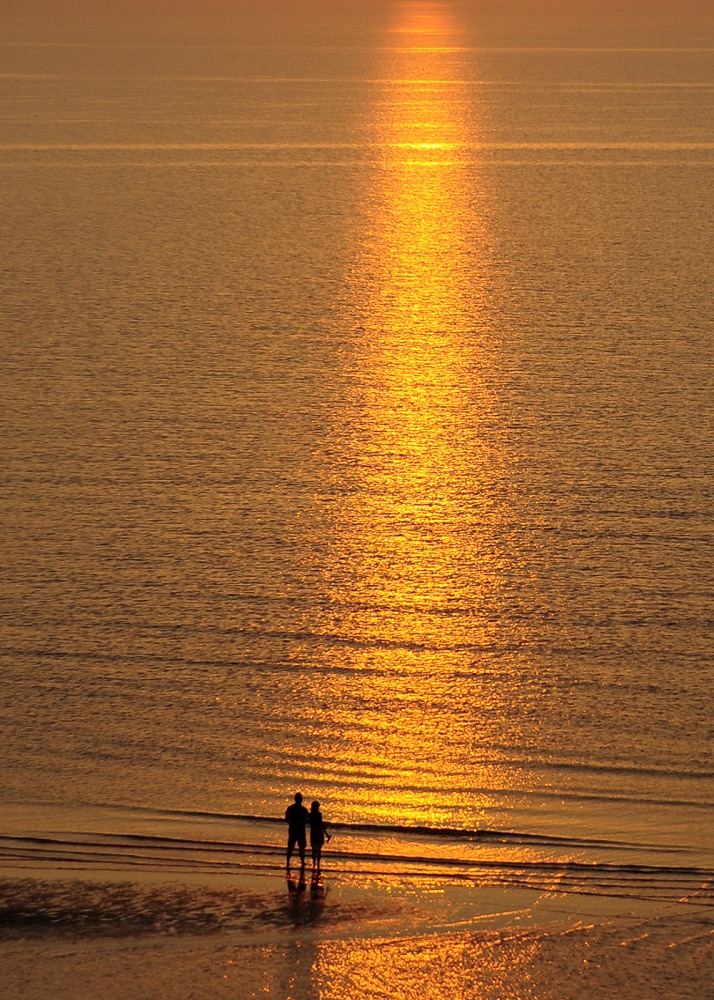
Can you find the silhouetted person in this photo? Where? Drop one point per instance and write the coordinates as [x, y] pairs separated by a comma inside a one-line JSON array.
[[296, 816], [318, 832]]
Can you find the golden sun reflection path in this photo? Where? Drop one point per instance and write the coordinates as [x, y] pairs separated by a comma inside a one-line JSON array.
[[416, 567], [416, 367]]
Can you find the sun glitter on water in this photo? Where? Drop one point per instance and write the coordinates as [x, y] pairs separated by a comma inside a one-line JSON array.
[[406, 566]]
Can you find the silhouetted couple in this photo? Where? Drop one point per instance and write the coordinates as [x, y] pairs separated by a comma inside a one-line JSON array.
[[297, 817]]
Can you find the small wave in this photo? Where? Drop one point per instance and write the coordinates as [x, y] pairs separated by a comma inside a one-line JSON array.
[[142, 847], [403, 830], [588, 767], [95, 850]]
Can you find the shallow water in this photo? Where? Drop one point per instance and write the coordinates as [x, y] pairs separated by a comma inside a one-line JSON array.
[[355, 438]]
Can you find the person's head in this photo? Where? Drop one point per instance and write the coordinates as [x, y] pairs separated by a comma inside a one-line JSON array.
[[298, 797], [315, 807]]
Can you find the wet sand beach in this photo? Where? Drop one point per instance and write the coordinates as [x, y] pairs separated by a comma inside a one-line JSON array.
[[666, 954], [199, 914]]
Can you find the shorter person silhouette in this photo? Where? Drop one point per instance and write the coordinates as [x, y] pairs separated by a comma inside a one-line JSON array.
[[318, 833]]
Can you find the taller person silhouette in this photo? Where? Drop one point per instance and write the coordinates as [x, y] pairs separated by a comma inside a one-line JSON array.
[[296, 816]]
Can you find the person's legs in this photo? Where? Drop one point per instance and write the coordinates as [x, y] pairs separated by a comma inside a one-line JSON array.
[[291, 844], [302, 844], [316, 848]]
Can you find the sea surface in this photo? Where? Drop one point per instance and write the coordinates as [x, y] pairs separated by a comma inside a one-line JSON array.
[[356, 439]]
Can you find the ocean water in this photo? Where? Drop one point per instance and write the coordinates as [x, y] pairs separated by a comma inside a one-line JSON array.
[[356, 438]]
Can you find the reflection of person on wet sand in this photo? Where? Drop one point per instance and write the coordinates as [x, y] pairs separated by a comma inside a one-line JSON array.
[[318, 832], [317, 889], [296, 887], [296, 816], [303, 907]]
